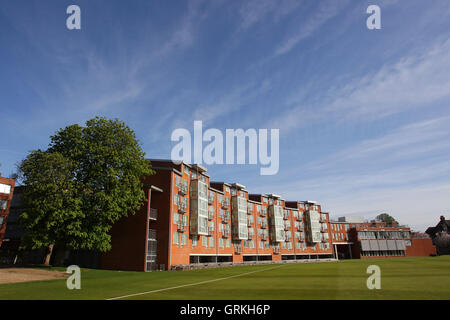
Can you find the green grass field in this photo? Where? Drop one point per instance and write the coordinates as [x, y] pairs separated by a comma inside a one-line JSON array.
[[401, 278]]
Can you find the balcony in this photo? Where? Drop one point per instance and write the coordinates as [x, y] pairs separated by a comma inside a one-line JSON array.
[[301, 239], [238, 250], [299, 217], [152, 234], [226, 234], [264, 225], [153, 214], [181, 227], [323, 230], [225, 219], [182, 190], [182, 208], [276, 250], [250, 236], [286, 227], [225, 204], [263, 213]]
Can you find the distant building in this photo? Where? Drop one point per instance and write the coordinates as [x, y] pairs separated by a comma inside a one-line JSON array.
[[363, 240], [351, 219]]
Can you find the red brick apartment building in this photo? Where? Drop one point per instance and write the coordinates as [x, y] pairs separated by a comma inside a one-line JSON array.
[[189, 219], [6, 194], [375, 239]]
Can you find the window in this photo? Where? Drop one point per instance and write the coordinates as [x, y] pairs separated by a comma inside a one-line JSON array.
[[177, 181], [184, 239], [194, 241], [1, 221], [5, 188], [211, 242], [3, 204], [205, 242], [176, 239]]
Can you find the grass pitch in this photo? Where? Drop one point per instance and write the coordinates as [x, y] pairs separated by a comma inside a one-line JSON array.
[[401, 278]]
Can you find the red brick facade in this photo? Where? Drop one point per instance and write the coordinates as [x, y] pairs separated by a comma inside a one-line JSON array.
[[6, 194]]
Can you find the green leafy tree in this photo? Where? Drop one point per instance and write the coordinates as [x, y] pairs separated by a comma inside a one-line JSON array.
[[53, 212], [107, 168], [384, 217]]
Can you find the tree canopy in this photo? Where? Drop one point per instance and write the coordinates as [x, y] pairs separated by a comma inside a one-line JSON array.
[[89, 178], [384, 217]]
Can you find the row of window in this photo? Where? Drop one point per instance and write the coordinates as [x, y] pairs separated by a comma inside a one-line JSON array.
[[181, 239], [339, 227], [340, 236], [383, 235], [383, 253], [194, 175], [179, 182]]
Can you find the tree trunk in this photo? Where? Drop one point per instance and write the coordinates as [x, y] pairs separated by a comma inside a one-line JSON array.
[[48, 254]]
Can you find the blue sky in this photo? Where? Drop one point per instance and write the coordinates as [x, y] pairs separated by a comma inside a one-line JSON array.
[[364, 115]]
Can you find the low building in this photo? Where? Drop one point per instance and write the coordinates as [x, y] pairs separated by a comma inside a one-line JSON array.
[[363, 239]]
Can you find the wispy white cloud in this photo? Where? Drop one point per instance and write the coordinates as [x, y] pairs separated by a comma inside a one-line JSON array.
[[254, 11], [423, 138], [326, 11], [413, 82]]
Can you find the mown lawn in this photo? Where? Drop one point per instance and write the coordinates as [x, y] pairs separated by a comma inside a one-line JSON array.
[[401, 278]]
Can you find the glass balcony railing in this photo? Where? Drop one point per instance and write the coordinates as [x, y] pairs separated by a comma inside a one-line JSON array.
[[153, 214]]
